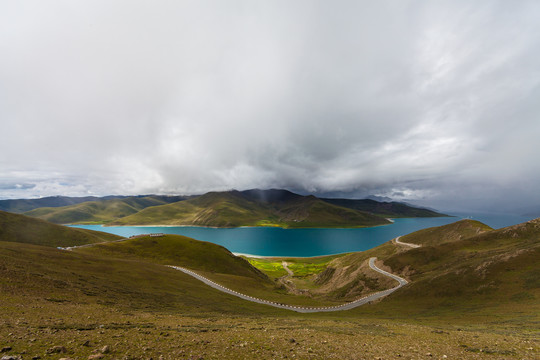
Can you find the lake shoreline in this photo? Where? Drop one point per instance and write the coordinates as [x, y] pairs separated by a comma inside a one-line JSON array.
[[242, 227], [286, 242], [391, 220], [292, 257], [302, 242]]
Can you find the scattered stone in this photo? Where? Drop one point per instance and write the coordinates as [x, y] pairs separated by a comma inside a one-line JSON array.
[[66, 359], [56, 350], [96, 356], [106, 349], [37, 357], [429, 354], [444, 357], [86, 343], [11, 357], [291, 340], [5, 349]]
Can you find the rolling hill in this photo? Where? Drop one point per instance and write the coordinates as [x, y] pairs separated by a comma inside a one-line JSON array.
[[25, 229], [234, 208], [461, 269], [347, 277], [254, 207], [24, 205], [178, 250], [491, 274], [456, 231], [387, 209], [101, 210], [464, 269]]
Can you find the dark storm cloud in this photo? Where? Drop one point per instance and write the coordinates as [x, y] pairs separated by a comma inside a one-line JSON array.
[[412, 100], [16, 186]]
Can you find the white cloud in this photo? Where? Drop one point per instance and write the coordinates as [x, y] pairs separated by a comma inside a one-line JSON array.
[[424, 99]]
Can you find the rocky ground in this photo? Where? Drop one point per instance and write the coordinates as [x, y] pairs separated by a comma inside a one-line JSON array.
[[90, 332]]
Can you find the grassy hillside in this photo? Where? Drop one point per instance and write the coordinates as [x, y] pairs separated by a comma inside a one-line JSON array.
[[471, 298], [179, 250], [387, 209], [24, 229], [232, 209], [23, 205], [76, 277], [212, 209], [310, 211], [211, 260], [99, 211], [492, 273], [345, 275], [70, 304], [448, 233]]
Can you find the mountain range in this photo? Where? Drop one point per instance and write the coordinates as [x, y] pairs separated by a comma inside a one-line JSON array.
[[219, 209]]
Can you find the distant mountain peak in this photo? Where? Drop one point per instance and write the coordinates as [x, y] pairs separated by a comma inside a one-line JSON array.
[[270, 195], [379, 198]]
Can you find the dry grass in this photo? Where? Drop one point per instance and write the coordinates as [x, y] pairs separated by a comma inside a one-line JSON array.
[[33, 328]]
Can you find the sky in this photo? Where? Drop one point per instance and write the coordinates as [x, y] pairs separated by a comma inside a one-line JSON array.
[[433, 102]]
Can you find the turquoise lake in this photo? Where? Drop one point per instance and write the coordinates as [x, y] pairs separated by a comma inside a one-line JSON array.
[[264, 241]]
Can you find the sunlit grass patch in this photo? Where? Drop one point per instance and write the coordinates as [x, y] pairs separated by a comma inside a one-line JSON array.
[[274, 269], [306, 269]]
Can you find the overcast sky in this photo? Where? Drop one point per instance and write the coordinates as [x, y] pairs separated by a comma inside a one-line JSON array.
[[437, 101]]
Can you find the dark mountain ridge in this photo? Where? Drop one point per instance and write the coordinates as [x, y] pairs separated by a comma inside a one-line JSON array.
[[254, 207], [388, 209], [24, 229], [24, 205]]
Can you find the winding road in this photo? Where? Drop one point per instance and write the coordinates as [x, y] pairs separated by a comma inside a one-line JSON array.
[[406, 244], [303, 309]]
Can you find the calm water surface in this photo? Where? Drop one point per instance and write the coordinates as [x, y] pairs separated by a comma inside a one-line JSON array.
[[304, 242]]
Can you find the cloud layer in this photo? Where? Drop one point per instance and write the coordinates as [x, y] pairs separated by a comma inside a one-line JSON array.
[[414, 100]]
